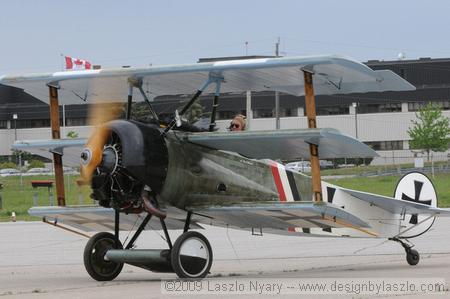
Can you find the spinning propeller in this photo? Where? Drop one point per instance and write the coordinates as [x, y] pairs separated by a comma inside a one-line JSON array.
[[92, 155]]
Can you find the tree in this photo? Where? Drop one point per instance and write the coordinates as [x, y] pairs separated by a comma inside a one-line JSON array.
[[194, 112], [72, 134], [141, 112], [431, 130], [36, 164]]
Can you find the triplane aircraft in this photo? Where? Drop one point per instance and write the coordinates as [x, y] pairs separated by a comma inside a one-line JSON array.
[[179, 179]]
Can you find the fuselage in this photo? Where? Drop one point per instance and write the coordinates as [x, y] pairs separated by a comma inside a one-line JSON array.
[[199, 176]]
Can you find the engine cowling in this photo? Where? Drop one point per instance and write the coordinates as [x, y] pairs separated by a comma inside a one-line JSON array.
[[134, 156]]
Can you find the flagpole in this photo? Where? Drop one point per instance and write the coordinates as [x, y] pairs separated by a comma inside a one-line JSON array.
[[62, 62]]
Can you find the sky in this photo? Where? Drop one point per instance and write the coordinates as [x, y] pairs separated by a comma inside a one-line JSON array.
[[34, 35]]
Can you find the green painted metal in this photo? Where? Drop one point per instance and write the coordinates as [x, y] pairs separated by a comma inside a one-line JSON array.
[[199, 176]]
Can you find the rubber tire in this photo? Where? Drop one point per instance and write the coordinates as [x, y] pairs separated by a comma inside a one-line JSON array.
[[89, 257], [412, 257], [175, 252]]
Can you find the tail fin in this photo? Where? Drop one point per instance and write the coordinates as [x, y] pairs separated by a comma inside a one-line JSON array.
[[416, 187]]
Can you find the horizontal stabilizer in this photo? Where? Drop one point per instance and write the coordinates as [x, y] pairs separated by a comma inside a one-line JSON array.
[[397, 206], [285, 144]]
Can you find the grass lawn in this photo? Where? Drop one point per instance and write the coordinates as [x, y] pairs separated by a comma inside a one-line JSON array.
[[385, 185], [18, 197], [362, 169]]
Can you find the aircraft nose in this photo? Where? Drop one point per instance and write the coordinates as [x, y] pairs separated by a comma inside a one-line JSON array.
[[86, 155]]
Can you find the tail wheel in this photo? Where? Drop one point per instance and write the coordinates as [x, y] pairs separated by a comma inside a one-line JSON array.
[[191, 255], [412, 257], [94, 257]]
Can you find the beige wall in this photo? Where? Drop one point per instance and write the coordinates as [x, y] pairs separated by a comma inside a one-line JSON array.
[[371, 127]]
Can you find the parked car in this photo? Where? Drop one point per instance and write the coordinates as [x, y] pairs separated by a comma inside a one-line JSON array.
[[299, 166], [70, 170], [325, 164], [9, 172], [38, 171]]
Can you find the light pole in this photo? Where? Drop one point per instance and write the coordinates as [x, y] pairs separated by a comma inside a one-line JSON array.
[[355, 105], [15, 116]]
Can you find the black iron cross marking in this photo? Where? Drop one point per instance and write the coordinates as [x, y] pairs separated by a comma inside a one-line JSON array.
[[417, 190]]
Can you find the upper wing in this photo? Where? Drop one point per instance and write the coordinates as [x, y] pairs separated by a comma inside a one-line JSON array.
[[285, 144], [397, 206], [333, 75], [70, 149]]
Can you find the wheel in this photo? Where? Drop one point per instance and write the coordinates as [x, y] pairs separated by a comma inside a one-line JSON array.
[[412, 257], [191, 255], [94, 257]]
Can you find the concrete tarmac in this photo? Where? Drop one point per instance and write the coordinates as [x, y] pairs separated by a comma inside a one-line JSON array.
[[38, 260]]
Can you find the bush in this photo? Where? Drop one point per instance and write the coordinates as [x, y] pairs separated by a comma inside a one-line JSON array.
[[36, 164], [7, 165]]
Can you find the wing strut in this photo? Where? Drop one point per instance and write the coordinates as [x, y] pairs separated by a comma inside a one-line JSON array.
[[56, 134], [212, 123], [313, 148], [137, 82], [129, 101], [152, 111], [211, 79]]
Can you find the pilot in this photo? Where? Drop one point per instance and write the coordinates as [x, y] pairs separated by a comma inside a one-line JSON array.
[[238, 123]]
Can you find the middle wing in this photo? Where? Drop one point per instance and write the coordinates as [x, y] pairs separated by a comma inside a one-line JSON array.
[[285, 144], [70, 149]]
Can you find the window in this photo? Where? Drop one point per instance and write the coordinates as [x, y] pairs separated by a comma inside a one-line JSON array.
[[72, 122], [269, 113], [379, 108], [332, 110], [228, 114], [288, 112], [3, 124], [386, 145], [30, 123], [263, 113], [416, 106]]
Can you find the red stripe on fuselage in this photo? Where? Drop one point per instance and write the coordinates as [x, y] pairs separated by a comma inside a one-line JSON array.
[[276, 176]]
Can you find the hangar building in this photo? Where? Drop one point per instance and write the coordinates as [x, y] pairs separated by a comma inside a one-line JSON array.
[[380, 120]]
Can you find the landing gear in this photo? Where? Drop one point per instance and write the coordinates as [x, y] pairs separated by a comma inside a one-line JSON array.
[[95, 263], [412, 255], [191, 255]]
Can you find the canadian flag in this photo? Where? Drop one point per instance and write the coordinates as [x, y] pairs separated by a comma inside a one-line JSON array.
[[77, 64]]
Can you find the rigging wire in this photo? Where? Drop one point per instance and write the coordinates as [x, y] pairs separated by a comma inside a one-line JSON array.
[[232, 246]]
